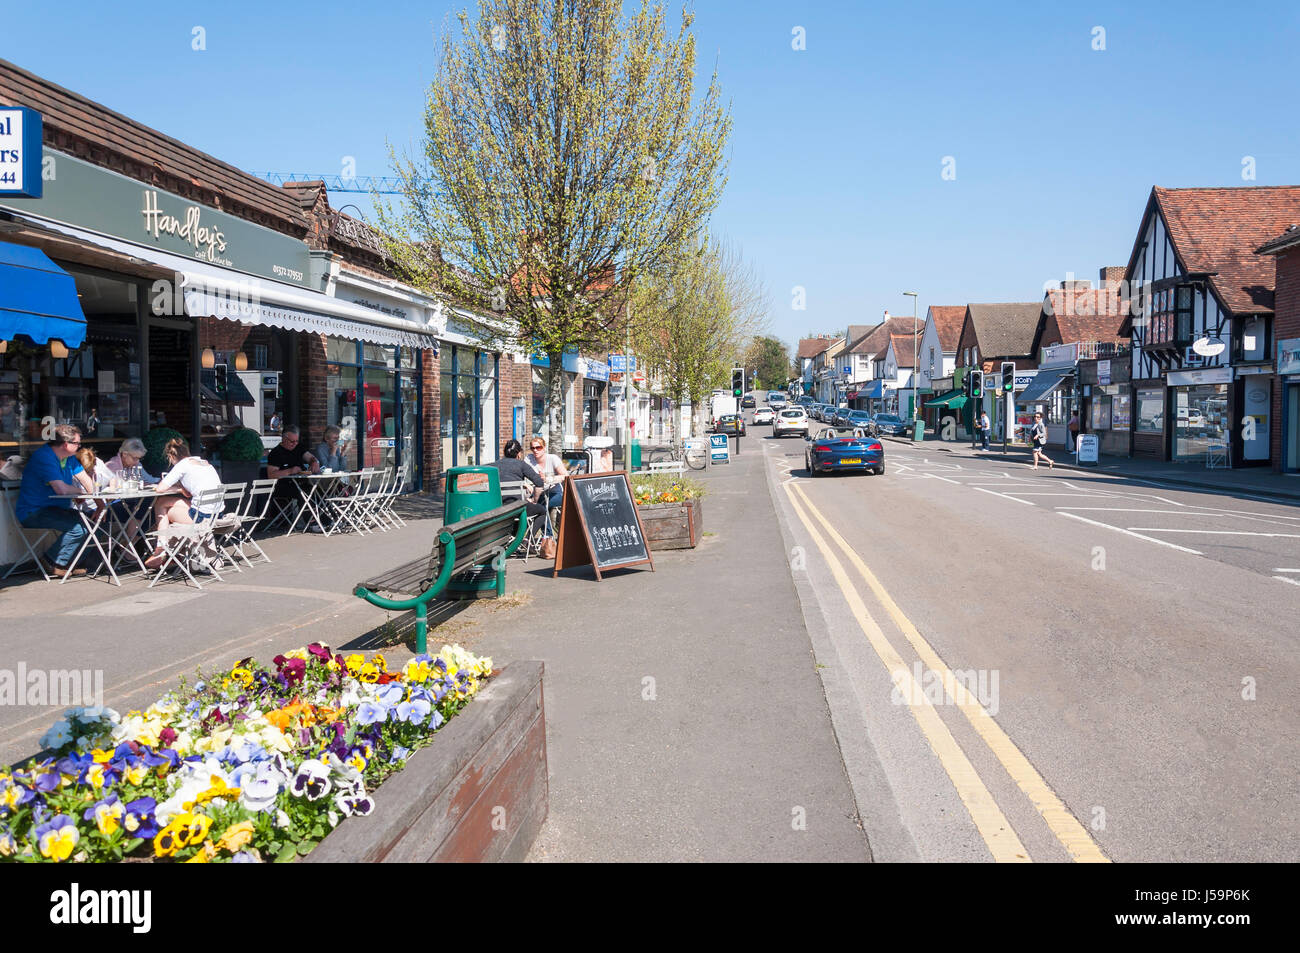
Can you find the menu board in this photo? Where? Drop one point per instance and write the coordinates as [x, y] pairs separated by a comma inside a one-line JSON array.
[[599, 524]]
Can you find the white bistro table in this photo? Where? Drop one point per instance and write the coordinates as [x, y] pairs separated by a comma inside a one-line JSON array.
[[104, 528], [318, 491]]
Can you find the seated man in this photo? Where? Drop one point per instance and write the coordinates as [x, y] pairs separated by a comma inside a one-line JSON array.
[[289, 458], [53, 469]]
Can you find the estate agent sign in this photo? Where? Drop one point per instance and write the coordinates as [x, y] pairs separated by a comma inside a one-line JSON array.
[[20, 152]]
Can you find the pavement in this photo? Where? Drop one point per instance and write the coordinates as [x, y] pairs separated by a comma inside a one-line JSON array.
[[685, 716], [1258, 481]]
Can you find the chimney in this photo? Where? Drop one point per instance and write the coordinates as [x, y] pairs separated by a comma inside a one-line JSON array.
[[1076, 284], [1112, 276]]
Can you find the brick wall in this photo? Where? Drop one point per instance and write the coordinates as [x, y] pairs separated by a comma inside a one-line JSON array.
[[1286, 324], [313, 395], [432, 463], [516, 382]]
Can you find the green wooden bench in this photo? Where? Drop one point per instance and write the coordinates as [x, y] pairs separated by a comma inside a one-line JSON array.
[[487, 538]]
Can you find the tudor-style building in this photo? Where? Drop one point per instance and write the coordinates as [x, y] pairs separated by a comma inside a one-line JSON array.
[[1285, 250], [938, 354], [1201, 324]]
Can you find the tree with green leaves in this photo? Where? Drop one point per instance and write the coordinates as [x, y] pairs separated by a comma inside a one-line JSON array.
[[693, 315], [565, 156], [769, 359]]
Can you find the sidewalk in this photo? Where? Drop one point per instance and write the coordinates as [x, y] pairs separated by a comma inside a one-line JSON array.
[[1258, 481], [685, 716]]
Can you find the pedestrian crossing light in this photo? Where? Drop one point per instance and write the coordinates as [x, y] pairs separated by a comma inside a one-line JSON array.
[[737, 382], [1008, 377], [976, 384]]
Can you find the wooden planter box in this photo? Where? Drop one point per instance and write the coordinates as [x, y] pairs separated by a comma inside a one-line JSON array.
[[673, 525], [478, 793]]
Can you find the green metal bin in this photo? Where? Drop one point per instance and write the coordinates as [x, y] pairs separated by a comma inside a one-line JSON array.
[[471, 491]]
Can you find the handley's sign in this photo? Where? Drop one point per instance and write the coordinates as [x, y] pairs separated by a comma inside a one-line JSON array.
[[207, 239]]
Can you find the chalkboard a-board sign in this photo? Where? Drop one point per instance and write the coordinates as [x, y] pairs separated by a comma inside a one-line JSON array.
[[599, 524]]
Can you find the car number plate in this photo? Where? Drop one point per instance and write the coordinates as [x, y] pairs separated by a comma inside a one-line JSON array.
[[850, 459]]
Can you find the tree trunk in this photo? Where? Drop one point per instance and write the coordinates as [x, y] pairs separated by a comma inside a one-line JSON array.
[[555, 403]]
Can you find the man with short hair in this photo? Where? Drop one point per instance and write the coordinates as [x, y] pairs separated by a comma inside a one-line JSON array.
[[54, 467], [290, 457], [985, 428]]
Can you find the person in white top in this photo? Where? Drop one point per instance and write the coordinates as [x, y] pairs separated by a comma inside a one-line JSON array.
[[190, 476], [98, 471], [550, 468]]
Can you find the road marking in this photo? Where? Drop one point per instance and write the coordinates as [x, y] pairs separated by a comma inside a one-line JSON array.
[[981, 489], [1286, 570], [935, 476], [1216, 532], [1064, 825], [1120, 529], [992, 824], [1117, 509], [1294, 582]]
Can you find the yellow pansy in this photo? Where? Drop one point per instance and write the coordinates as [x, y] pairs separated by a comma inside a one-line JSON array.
[[108, 817], [354, 663], [59, 843], [219, 789], [236, 837]]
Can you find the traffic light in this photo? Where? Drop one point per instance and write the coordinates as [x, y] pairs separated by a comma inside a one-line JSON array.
[[737, 382], [1008, 377], [976, 384]]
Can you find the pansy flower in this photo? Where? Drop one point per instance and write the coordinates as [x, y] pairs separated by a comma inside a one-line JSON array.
[[355, 805], [320, 651], [57, 839], [368, 713], [236, 837], [138, 819], [107, 814], [414, 712], [312, 780]]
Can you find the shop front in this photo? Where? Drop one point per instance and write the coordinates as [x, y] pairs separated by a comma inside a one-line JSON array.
[[470, 385], [1288, 375], [1201, 427]]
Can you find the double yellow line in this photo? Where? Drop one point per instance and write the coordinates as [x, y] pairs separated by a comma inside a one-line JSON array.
[[989, 820]]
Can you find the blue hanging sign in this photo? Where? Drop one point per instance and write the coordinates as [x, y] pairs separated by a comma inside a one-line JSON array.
[[20, 152]]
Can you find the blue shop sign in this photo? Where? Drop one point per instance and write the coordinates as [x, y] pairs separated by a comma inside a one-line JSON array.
[[20, 152], [618, 363]]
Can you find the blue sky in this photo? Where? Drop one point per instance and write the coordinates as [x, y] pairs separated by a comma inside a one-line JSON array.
[[838, 149]]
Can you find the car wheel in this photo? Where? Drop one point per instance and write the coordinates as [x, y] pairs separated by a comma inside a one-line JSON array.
[[879, 471]]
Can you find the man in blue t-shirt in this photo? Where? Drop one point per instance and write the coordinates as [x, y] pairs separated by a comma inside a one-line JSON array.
[[53, 469]]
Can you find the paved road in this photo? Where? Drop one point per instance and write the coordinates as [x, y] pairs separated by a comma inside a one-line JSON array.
[[1129, 648]]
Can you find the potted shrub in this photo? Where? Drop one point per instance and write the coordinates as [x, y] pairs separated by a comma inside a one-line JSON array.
[[241, 455], [671, 509], [155, 441]]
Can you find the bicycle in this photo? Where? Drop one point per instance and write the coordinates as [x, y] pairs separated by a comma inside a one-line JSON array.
[[695, 457]]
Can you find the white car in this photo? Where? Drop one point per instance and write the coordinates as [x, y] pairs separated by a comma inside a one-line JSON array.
[[764, 415], [791, 420]]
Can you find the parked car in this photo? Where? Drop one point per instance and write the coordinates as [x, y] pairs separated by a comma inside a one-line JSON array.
[[747, 401], [840, 416], [833, 450], [891, 424], [791, 420], [730, 423], [764, 415], [860, 420], [777, 403]]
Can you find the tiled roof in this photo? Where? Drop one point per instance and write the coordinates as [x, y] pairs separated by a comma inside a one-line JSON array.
[[876, 342], [169, 163], [947, 323], [1288, 239], [811, 347], [904, 348], [1218, 230], [1087, 314], [1007, 329]]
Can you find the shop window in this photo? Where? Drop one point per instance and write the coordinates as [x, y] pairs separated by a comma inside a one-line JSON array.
[[1100, 413], [1120, 410], [1250, 339], [1184, 296], [341, 350], [1150, 410], [248, 384], [1200, 420]]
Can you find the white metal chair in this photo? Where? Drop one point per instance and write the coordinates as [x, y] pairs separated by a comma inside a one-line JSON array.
[[395, 489], [225, 528], [32, 539], [535, 533], [183, 543], [257, 504]]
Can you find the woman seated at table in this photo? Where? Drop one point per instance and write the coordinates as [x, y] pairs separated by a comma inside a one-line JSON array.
[[188, 477], [98, 471], [331, 453], [131, 454]]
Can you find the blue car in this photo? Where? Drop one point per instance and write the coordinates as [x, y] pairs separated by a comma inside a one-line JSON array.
[[833, 450]]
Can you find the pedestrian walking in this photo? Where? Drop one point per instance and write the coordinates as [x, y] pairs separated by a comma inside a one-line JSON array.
[[1038, 439], [1074, 430], [986, 426]]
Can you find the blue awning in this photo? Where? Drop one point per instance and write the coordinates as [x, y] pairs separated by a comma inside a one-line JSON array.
[[1039, 390], [38, 298]]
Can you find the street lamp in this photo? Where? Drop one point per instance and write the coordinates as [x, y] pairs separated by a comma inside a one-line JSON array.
[[915, 346]]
